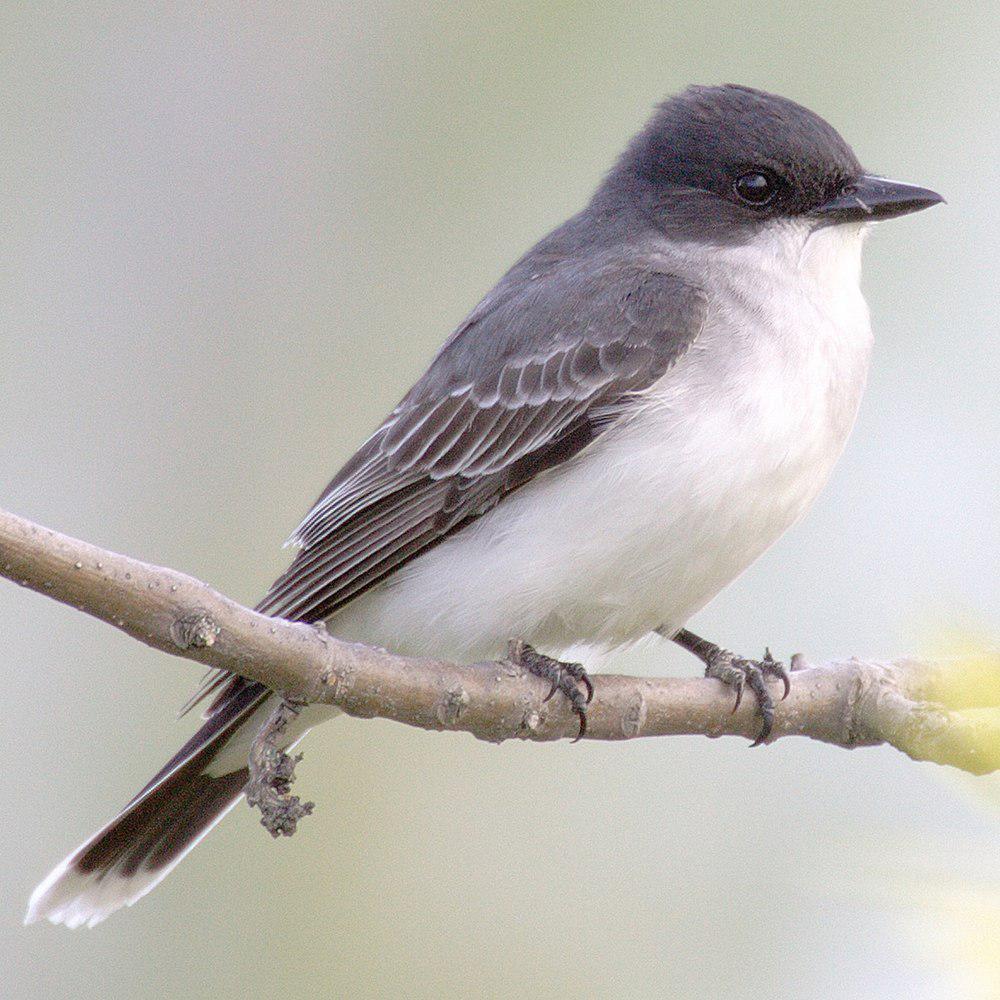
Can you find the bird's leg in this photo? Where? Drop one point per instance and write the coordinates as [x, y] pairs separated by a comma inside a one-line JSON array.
[[564, 677], [738, 672]]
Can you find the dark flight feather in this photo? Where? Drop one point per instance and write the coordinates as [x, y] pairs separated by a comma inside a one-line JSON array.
[[545, 364]]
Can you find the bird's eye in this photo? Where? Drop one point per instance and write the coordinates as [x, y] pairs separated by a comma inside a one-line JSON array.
[[755, 188]]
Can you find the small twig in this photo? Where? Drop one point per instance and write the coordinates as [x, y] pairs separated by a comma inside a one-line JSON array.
[[272, 772]]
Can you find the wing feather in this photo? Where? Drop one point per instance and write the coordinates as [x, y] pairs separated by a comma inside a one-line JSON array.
[[486, 426], [335, 568], [539, 370]]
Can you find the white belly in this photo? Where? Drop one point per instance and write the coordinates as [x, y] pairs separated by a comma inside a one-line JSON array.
[[658, 515]]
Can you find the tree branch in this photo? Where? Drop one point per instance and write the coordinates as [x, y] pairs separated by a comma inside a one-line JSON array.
[[943, 712]]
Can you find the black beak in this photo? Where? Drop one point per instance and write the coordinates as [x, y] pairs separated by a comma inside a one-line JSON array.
[[871, 199]]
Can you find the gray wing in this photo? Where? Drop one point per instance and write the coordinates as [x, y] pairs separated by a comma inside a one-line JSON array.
[[543, 366], [526, 383]]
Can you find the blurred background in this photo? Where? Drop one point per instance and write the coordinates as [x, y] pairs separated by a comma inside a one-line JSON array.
[[231, 235]]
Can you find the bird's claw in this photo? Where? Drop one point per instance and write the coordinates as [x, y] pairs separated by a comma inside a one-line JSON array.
[[564, 677], [775, 668], [740, 673]]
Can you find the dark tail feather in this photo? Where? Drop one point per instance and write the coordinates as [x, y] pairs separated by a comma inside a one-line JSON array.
[[139, 847]]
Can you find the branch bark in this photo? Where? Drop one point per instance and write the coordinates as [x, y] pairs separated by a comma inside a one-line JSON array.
[[944, 712]]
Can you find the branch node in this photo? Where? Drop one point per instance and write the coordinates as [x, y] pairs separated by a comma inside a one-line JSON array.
[[798, 662], [857, 687], [272, 772], [195, 630], [454, 701], [634, 716], [532, 721]]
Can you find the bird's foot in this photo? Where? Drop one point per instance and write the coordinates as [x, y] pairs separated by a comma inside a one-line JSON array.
[[739, 673], [564, 677]]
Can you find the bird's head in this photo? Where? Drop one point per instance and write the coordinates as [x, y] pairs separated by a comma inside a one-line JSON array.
[[721, 163]]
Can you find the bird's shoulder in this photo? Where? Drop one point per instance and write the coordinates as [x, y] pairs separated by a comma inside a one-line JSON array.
[[628, 303], [543, 364]]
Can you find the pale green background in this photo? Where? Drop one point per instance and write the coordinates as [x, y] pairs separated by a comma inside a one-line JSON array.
[[230, 238]]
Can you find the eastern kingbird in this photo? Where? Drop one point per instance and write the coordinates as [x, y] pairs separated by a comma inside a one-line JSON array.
[[646, 400]]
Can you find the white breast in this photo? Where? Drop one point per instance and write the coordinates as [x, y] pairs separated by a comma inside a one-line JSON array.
[[646, 525]]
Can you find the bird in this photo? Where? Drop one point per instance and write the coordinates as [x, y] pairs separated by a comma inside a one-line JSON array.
[[636, 411]]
